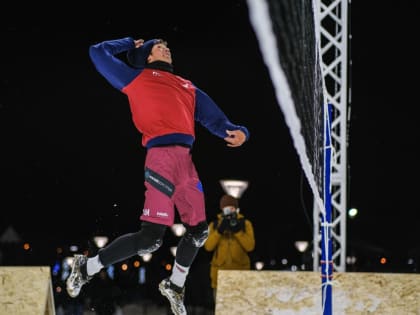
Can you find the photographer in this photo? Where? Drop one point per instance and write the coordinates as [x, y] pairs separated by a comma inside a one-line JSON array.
[[231, 238]]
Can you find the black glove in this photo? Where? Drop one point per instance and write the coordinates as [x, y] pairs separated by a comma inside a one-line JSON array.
[[240, 225], [223, 225]]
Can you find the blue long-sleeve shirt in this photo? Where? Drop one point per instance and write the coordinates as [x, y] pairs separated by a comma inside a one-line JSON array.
[[164, 106]]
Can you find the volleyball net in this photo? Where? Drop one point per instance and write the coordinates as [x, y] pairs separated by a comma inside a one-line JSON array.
[[287, 34], [289, 38]]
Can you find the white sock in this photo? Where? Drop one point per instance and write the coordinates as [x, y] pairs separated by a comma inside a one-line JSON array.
[[93, 265], [179, 275]]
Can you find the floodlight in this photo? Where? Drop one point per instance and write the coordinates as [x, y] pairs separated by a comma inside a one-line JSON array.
[[234, 187]]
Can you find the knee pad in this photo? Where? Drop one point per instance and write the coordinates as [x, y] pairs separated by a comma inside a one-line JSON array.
[[197, 234], [150, 237]]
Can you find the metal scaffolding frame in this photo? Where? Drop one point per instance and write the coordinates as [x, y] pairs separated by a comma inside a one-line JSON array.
[[334, 41]]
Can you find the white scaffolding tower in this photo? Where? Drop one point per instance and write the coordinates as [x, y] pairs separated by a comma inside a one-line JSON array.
[[334, 38]]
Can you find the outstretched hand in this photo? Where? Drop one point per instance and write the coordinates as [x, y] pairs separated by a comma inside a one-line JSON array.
[[138, 42], [235, 138]]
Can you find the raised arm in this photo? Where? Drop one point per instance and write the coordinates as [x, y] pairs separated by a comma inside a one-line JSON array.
[[113, 69]]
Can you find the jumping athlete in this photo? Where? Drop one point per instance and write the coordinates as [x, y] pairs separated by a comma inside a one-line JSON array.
[[164, 108]]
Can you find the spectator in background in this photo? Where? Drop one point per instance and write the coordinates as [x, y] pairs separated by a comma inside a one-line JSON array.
[[231, 239]]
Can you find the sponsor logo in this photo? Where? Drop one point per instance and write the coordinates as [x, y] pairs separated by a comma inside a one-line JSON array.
[[146, 212], [161, 214], [156, 74], [159, 182]]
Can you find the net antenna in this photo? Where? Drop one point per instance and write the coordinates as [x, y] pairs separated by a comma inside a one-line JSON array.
[[304, 46]]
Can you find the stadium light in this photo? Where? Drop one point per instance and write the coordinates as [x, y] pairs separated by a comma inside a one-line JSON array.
[[259, 265], [301, 246], [353, 212], [67, 262], [146, 257], [234, 187], [100, 241], [178, 229], [173, 250]]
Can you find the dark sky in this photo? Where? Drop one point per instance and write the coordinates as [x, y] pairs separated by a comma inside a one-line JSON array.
[[71, 161]]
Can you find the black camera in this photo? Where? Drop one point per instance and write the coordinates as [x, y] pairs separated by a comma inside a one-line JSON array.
[[233, 219]]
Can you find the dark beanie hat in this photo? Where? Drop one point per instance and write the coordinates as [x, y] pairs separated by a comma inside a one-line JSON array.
[[228, 200], [137, 57]]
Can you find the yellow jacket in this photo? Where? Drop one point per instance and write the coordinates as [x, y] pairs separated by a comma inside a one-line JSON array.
[[230, 249]]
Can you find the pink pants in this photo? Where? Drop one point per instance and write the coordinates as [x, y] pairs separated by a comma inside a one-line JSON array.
[[171, 181]]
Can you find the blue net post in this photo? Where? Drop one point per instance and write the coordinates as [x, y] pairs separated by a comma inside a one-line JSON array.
[[326, 240]]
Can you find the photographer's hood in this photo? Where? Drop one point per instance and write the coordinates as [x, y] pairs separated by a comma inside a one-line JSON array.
[[228, 200]]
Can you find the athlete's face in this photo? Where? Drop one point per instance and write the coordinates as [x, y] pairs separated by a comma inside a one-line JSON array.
[[160, 52]]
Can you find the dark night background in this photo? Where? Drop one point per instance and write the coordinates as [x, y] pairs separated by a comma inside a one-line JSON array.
[[71, 164]]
